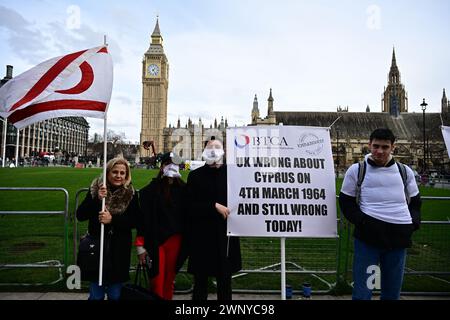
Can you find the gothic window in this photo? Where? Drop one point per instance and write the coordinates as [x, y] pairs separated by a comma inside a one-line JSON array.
[[394, 109]]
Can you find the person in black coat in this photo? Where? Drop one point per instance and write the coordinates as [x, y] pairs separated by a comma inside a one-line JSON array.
[[119, 218], [211, 252], [161, 226]]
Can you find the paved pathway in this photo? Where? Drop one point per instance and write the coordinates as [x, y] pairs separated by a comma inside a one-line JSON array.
[[84, 296]]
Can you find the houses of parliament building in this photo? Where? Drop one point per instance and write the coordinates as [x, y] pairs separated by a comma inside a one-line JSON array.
[[349, 134]]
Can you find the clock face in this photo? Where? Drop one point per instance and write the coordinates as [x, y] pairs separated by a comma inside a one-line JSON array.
[[153, 69]]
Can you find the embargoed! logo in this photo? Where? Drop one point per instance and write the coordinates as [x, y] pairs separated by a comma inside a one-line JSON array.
[[311, 144], [241, 141]]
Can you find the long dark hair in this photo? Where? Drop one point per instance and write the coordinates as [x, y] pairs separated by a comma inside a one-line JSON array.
[[163, 186]]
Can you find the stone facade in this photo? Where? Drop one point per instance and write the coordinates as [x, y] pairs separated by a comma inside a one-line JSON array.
[[270, 119], [351, 132], [187, 141], [445, 104], [394, 99], [155, 84]]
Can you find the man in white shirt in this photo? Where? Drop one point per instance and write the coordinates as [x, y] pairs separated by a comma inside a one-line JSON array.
[[385, 210]]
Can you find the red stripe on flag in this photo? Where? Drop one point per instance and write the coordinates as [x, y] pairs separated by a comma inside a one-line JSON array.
[[104, 50], [34, 109], [47, 78]]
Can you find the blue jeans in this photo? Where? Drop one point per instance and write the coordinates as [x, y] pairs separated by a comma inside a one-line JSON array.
[[391, 263], [98, 293]]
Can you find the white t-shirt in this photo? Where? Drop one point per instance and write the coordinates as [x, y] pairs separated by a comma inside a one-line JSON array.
[[382, 192]]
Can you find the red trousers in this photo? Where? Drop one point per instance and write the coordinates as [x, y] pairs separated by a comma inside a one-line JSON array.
[[162, 284]]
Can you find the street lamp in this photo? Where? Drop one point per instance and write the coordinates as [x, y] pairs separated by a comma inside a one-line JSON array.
[[337, 150], [424, 107]]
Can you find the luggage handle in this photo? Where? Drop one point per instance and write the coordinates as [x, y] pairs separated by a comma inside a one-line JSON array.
[[142, 272]]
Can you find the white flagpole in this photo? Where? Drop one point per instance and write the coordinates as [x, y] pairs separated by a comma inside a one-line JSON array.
[[5, 126], [283, 268], [17, 148], [102, 227]]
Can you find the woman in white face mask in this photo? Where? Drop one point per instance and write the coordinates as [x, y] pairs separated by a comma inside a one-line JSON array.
[[161, 228], [213, 153], [211, 252]]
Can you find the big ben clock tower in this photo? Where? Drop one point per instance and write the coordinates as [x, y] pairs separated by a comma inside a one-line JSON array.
[[155, 84]]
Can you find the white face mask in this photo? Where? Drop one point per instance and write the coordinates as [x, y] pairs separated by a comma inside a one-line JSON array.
[[212, 155], [171, 171]]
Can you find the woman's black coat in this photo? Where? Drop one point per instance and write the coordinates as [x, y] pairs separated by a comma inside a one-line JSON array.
[[207, 237], [117, 258]]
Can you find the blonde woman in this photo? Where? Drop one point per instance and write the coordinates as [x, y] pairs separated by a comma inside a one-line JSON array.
[[119, 217]]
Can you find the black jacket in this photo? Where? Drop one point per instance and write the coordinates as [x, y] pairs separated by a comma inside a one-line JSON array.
[[158, 220], [116, 259], [207, 238], [379, 233], [376, 232]]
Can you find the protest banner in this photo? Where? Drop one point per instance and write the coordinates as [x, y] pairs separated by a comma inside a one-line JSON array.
[[281, 182]]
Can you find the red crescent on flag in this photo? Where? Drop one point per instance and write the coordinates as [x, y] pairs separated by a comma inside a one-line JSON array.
[[47, 78], [87, 78]]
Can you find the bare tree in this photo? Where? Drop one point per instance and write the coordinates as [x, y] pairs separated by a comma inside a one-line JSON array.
[[116, 146]]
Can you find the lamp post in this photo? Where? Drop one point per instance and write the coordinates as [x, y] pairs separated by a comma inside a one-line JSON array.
[[424, 107], [337, 150]]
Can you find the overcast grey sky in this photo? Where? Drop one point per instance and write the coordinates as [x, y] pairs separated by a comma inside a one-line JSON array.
[[315, 55]]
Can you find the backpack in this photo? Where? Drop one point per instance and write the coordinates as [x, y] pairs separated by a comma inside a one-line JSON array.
[[362, 167]]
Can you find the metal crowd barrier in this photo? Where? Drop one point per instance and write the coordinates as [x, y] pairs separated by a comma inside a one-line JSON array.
[[41, 264], [429, 255], [322, 259]]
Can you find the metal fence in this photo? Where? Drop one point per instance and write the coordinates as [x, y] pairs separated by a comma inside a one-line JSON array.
[[312, 260], [80, 229], [76, 231], [428, 259], [325, 263], [30, 247], [307, 260]]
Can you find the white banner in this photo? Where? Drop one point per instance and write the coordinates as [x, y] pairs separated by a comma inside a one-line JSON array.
[[446, 135], [281, 182]]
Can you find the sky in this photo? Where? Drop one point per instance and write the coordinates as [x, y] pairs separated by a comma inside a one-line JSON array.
[[315, 55]]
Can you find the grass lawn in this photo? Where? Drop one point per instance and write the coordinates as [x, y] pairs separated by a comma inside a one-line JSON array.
[[40, 239]]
